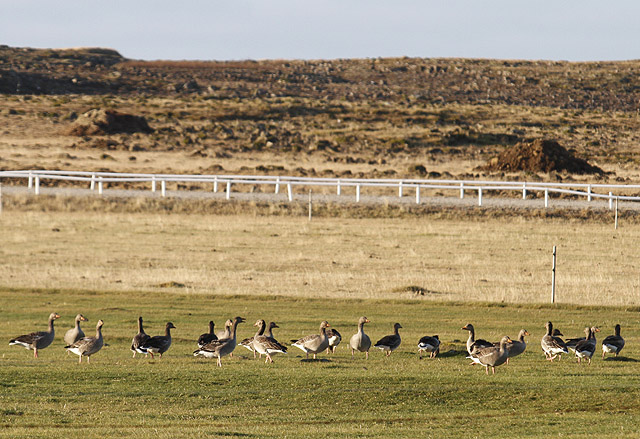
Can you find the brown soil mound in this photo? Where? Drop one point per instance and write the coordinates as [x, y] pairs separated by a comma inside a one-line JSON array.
[[100, 122], [540, 156]]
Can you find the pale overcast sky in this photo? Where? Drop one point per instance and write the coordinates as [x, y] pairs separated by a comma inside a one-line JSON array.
[[296, 29]]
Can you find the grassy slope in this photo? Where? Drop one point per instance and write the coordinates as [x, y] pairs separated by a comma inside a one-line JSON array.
[[180, 396]]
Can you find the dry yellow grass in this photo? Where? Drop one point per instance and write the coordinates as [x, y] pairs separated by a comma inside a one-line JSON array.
[[459, 260]]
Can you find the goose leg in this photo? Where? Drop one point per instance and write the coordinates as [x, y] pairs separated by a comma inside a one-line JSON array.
[[486, 369], [367, 355], [352, 351], [35, 353], [493, 369]]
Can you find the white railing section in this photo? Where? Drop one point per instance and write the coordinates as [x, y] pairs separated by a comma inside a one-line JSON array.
[[588, 190]]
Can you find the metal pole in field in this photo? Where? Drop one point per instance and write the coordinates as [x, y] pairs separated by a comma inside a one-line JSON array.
[[610, 201], [100, 185], [277, 185], [30, 184], [553, 277], [546, 198], [616, 226], [215, 184], [228, 194], [418, 194], [309, 205], [589, 193], [289, 193], [479, 196], [163, 188], [462, 189], [400, 189], [524, 190], [358, 193], [153, 183], [339, 188], [93, 182], [37, 185]]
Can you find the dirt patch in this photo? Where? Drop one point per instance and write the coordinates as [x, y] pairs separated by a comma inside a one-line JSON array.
[[539, 156], [101, 122]]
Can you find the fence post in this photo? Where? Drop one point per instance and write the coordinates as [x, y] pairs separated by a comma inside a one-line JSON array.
[[289, 193], [153, 183], [524, 190], [553, 277], [163, 188], [616, 223], [228, 194], [610, 201], [339, 190], [37, 185], [30, 184], [589, 193], [418, 194], [546, 198], [479, 196], [400, 189], [99, 185], [93, 182], [461, 189], [215, 184], [277, 185], [358, 193]]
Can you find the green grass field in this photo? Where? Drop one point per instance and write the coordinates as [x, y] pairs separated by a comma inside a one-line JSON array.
[[401, 396]]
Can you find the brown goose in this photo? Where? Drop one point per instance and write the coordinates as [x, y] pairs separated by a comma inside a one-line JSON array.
[[390, 343], [248, 342], [222, 346], [139, 339], [314, 343], [87, 346], [587, 347], [492, 356], [266, 345], [517, 347], [37, 340], [613, 344], [572, 342], [360, 341], [552, 346], [429, 344], [334, 340], [472, 342], [76, 333], [158, 344], [227, 330], [207, 337], [226, 333]]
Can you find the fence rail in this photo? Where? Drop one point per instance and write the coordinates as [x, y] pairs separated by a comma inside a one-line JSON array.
[[97, 180]]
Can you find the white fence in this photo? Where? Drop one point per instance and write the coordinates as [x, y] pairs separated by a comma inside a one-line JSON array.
[[97, 181]]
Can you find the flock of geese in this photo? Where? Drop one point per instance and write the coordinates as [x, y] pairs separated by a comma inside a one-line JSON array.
[[221, 344]]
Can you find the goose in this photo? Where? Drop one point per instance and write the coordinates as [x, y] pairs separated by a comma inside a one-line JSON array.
[[390, 343], [314, 343], [429, 344], [76, 333], [472, 343], [264, 344], [222, 346], [207, 337], [517, 347], [139, 339], [227, 330], [248, 342], [226, 333], [572, 342], [360, 341], [613, 344], [334, 340], [158, 344], [37, 340], [586, 348], [492, 355], [87, 346], [552, 346]]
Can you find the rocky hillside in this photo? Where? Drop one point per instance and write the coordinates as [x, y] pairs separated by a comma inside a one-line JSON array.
[[603, 86]]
